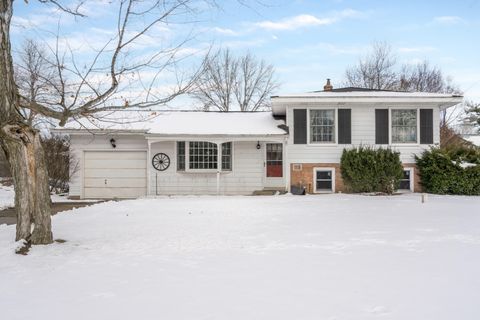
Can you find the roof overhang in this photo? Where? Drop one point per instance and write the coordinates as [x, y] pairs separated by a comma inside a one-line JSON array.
[[280, 103]]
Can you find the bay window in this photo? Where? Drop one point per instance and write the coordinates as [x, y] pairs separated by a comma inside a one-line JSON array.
[[202, 155]]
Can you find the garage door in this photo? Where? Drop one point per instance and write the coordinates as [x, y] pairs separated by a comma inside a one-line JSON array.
[[115, 174]]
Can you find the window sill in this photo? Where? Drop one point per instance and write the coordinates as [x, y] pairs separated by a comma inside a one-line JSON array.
[[205, 171]]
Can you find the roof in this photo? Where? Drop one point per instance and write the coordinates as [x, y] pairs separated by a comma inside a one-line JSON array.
[[473, 138], [182, 123], [346, 89], [353, 95], [369, 93]]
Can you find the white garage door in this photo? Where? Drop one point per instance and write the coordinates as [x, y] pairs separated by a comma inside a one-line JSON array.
[[115, 174]]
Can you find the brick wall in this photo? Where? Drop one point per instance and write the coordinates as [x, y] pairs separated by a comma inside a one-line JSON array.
[[304, 177], [417, 187]]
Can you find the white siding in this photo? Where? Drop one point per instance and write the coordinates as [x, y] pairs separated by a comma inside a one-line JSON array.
[[82, 143], [247, 174], [363, 133]]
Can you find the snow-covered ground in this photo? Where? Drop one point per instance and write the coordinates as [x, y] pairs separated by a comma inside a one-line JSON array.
[[6, 196], [279, 257]]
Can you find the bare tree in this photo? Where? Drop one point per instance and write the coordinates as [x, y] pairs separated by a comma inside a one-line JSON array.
[[34, 76], [81, 92], [374, 71], [421, 77], [230, 83]]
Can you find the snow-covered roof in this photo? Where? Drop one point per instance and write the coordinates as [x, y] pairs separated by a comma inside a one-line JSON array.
[[354, 96], [183, 123], [370, 93]]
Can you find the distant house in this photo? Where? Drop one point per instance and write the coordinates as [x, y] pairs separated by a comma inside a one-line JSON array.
[[472, 138], [298, 143]]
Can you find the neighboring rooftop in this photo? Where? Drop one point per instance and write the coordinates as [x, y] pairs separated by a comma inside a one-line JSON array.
[[473, 138], [183, 123]]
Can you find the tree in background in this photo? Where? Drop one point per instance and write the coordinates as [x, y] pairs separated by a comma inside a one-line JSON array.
[[230, 83], [374, 71], [35, 78], [379, 71], [83, 91], [472, 111]]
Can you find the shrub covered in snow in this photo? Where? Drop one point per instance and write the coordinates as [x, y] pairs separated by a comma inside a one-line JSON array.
[[365, 169], [452, 171]]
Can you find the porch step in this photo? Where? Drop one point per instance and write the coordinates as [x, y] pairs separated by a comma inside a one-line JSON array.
[[268, 192]]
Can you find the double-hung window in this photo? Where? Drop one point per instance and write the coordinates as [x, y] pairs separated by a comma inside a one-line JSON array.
[[404, 125], [203, 155], [322, 126]]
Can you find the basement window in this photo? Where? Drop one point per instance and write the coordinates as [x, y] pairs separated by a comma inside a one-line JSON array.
[[406, 183], [324, 180]]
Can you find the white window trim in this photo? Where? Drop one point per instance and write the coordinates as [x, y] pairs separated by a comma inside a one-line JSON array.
[[412, 180], [322, 144], [187, 158], [390, 131], [315, 169], [265, 161]]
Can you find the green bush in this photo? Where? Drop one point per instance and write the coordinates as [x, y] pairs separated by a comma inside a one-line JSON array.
[[365, 169], [451, 171]]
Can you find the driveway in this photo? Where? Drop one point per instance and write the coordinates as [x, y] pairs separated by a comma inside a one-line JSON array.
[[8, 216]]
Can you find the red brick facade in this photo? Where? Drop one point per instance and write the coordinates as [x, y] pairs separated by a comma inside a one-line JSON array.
[[304, 176]]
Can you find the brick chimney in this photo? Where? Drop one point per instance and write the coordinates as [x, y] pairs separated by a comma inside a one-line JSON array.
[[328, 86]]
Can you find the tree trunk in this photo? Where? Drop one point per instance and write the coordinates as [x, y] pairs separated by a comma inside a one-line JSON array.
[[23, 149]]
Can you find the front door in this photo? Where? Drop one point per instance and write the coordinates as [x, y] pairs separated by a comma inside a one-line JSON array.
[[274, 165]]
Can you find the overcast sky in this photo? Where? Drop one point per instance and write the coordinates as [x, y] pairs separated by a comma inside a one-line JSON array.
[[306, 41]]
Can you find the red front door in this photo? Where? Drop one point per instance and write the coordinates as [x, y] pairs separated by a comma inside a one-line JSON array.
[[274, 160]]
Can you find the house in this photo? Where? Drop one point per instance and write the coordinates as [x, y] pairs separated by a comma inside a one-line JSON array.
[[474, 139], [298, 143]]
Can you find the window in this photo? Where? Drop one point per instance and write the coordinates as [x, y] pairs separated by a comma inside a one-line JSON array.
[[322, 126], [406, 181], [324, 179], [202, 155], [274, 160], [404, 126], [181, 155], [227, 156]]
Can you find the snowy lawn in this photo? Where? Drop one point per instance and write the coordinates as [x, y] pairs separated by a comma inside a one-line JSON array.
[[279, 257], [7, 196]]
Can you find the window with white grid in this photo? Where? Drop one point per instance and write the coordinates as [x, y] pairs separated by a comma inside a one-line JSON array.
[[202, 155], [322, 126]]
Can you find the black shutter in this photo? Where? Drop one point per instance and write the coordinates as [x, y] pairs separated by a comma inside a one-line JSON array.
[[381, 126], [426, 126], [299, 126], [344, 126]]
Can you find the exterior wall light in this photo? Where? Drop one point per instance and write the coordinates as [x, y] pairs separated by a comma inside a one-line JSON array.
[[258, 145], [113, 143]]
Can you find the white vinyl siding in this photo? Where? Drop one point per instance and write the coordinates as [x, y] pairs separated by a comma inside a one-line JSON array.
[[246, 176], [363, 133]]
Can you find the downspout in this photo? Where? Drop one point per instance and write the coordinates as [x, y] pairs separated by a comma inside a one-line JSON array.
[[219, 166]]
